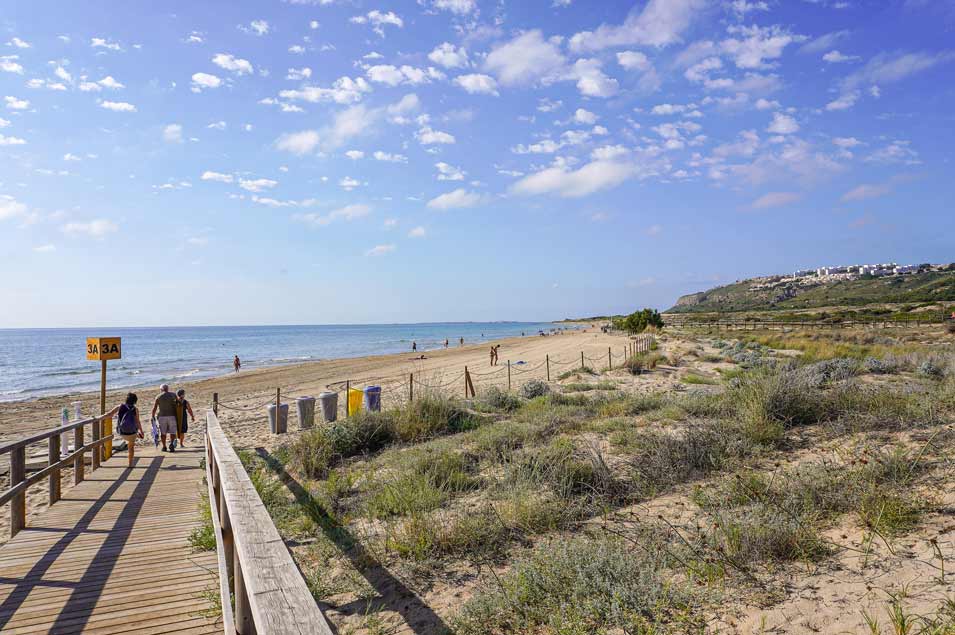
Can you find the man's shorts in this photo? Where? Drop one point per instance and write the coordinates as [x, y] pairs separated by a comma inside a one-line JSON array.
[[167, 425]]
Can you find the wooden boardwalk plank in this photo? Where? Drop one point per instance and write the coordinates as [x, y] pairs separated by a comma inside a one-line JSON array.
[[113, 556]]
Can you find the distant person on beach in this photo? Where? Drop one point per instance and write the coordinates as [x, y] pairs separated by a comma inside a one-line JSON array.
[[183, 412], [129, 425], [414, 347], [461, 342], [166, 405], [492, 356], [445, 342], [236, 363], [497, 354]]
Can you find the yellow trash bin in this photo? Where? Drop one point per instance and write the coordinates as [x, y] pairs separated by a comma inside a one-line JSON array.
[[355, 397]]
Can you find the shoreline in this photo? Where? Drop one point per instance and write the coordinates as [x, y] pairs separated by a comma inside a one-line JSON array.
[[184, 377], [18, 418]]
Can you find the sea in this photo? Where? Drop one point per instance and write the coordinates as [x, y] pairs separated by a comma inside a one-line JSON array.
[[42, 362]]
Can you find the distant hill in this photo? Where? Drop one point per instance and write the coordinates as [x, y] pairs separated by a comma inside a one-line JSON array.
[[781, 293]]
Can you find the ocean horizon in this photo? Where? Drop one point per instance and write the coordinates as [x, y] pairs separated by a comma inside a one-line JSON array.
[[40, 362]]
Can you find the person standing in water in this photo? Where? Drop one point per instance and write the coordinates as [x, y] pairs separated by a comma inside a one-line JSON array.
[[236, 363], [445, 342], [129, 425], [183, 413], [461, 342]]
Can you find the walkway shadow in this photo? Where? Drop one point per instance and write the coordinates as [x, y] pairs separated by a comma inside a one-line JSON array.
[[87, 590], [419, 617]]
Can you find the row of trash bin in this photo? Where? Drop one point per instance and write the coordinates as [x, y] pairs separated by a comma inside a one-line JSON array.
[[368, 398]]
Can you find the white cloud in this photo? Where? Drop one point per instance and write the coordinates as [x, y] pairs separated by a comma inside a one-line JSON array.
[[895, 152], [449, 56], [765, 104], [545, 146], [196, 37], [232, 63], [109, 82], [256, 27], [659, 24], [823, 42], [447, 172], [835, 57], [257, 185], [98, 42], [347, 213], [669, 109], [8, 64], [889, 68], [11, 141], [45, 249], [526, 59], [97, 228], [4, 122], [548, 105], [559, 180], [782, 124], [392, 158], [219, 177], [344, 90], [418, 232], [296, 49], [865, 192], [633, 60], [585, 117], [460, 7], [217, 125], [394, 75], [456, 199], [117, 106], [378, 20], [172, 133], [348, 183], [775, 199], [18, 43], [11, 208], [757, 44], [69, 156], [14, 103], [354, 155], [426, 136], [298, 74], [844, 102], [846, 142], [591, 81], [609, 153], [477, 83], [380, 250], [202, 81]]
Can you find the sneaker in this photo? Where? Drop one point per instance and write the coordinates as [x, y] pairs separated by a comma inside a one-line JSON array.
[[172, 448], [172, 444], [164, 449]]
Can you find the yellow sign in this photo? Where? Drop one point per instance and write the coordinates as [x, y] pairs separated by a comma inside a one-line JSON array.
[[103, 348]]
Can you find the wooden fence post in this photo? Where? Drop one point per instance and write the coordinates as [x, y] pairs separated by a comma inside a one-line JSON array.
[[581, 359], [18, 506], [347, 392], [609, 359], [53, 455], [278, 411], [215, 403], [78, 466], [410, 387], [508, 375], [466, 382], [547, 361], [96, 453]]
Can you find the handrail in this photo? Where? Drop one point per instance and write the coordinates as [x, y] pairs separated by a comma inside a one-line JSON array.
[[255, 567], [20, 482]]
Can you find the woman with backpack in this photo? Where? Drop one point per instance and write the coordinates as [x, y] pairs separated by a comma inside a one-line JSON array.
[[183, 413], [129, 425]]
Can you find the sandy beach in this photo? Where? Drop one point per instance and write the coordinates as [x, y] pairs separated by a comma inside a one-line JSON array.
[[243, 395]]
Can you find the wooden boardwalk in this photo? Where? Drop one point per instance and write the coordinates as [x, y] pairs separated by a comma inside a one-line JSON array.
[[113, 556]]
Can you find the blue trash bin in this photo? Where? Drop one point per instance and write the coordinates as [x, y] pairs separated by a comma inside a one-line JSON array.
[[372, 399]]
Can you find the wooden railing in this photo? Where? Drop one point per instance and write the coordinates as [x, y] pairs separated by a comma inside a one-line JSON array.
[[256, 570], [19, 481]]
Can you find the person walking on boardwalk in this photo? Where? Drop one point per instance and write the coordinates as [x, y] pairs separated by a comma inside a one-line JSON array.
[[166, 406], [236, 364], [129, 425], [183, 413]]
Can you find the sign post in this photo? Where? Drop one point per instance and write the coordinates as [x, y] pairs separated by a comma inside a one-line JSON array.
[[102, 349]]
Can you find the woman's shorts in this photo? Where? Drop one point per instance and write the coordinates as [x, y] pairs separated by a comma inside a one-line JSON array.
[[130, 438]]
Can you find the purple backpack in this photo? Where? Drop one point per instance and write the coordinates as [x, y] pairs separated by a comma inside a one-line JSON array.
[[127, 420]]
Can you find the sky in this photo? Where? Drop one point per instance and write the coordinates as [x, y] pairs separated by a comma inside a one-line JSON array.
[[353, 161]]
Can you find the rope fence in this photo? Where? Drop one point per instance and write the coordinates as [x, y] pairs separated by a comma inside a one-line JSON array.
[[398, 389]]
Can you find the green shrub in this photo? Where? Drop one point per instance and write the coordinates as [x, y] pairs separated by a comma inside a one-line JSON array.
[[642, 362], [498, 399], [576, 372], [534, 388], [579, 586], [203, 537]]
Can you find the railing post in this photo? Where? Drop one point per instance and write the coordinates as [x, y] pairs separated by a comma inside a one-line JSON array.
[[244, 625], [225, 522], [18, 506], [95, 454], [53, 455], [347, 395], [508, 375], [410, 387], [215, 403], [78, 466]]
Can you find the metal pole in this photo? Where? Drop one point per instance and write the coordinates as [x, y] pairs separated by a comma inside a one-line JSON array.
[[278, 411], [107, 426]]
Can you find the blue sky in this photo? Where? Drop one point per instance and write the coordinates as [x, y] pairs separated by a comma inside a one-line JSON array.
[[349, 161]]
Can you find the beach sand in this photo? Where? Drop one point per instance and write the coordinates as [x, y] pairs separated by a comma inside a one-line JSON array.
[[243, 395]]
